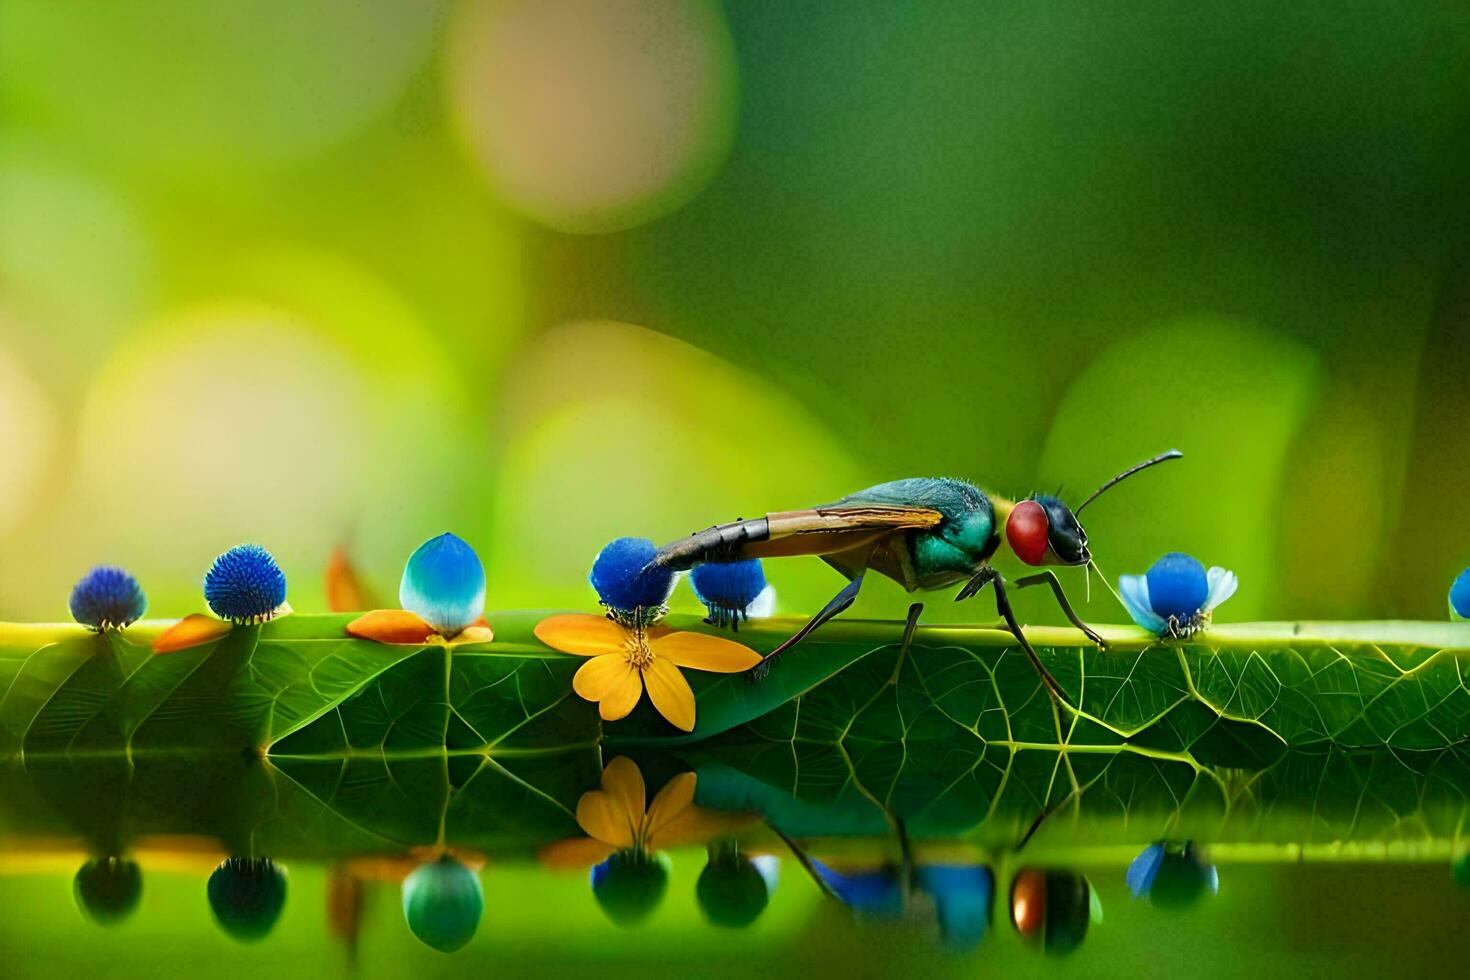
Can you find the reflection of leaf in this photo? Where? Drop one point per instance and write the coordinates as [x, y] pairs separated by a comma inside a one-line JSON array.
[[383, 745], [955, 737]]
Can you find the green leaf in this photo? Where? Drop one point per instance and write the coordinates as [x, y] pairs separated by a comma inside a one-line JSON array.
[[297, 681], [952, 738]]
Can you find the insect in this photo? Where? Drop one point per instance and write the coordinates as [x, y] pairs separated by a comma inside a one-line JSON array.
[[923, 533]]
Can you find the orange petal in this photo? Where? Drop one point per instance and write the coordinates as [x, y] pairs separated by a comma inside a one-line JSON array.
[[345, 592], [703, 652], [605, 818], [475, 634], [670, 693], [622, 780], [673, 799], [576, 854], [391, 626], [582, 633], [191, 631]]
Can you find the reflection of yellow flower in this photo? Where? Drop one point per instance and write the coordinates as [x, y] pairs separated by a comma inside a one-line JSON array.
[[615, 819], [626, 660]]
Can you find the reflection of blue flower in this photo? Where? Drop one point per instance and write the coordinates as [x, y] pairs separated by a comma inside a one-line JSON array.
[[728, 588], [1172, 876], [630, 885], [1176, 597], [442, 903], [246, 896], [245, 585], [962, 898], [874, 892], [733, 889], [627, 584], [107, 598], [444, 584], [1460, 596]]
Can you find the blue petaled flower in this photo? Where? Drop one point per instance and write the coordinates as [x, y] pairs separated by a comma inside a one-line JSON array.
[[728, 589], [1177, 595], [444, 584], [1172, 876], [443, 597], [107, 598], [633, 590], [245, 585], [1460, 596]]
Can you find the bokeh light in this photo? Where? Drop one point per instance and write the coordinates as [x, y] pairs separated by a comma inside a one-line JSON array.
[[616, 430], [27, 441], [74, 253], [1229, 395], [594, 115], [199, 88], [248, 421]]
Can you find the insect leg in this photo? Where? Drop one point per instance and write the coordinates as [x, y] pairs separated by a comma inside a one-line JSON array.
[[1050, 578], [839, 602], [989, 576], [910, 624]]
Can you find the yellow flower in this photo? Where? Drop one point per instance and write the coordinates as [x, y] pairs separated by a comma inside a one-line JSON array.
[[625, 660], [615, 819]]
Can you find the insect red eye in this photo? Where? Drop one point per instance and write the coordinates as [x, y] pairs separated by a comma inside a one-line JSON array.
[[1026, 532]]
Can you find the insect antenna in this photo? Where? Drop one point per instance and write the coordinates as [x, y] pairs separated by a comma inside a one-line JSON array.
[[1092, 563], [1160, 458]]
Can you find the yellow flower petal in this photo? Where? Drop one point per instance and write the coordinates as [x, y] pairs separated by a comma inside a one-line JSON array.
[[605, 818], [191, 631], [623, 697], [391, 626], [703, 652], [673, 799], [582, 634], [670, 693], [599, 676], [696, 825], [622, 780], [577, 854]]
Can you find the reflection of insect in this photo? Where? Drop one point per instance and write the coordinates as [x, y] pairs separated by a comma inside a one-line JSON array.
[[922, 533]]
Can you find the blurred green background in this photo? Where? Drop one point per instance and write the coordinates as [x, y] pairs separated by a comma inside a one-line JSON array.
[[1369, 920], [545, 273]]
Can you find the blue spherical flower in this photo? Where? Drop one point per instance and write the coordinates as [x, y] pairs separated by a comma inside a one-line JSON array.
[[444, 584], [1171, 876], [1177, 585], [245, 585], [627, 583], [728, 588], [107, 598], [1177, 595], [1460, 596], [962, 898]]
